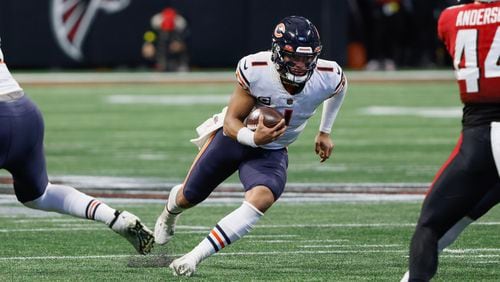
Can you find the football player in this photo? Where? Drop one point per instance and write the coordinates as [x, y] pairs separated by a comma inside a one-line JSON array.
[[471, 33], [21, 153], [490, 200], [294, 81]]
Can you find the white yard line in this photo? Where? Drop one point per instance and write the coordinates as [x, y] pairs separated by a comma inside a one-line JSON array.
[[266, 253], [297, 241], [212, 77], [178, 100], [219, 254], [389, 248], [272, 236], [350, 246], [301, 252], [197, 229], [430, 112]]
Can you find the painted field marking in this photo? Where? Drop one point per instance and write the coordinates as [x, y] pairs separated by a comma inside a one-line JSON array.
[[351, 246], [297, 241], [429, 112], [218, 254], [233, 254], [475, 250], [271, 236], [207, 228], [181, 99], [82, 229], [468, 256]]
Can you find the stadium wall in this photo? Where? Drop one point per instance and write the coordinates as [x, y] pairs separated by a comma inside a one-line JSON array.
[[111, 32]]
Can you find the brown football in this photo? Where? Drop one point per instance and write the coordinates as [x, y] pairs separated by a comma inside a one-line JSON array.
[[271, 117]]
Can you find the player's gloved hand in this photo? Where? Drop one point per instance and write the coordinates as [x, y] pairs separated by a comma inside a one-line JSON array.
[[264, 135], [324, 145]]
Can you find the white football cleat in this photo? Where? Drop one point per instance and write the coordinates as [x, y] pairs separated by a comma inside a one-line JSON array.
[[130, 227], [165, 227], [406, 277], [183, 266], [165, 224]]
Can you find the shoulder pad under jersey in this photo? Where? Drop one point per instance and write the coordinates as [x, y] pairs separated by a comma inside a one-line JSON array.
[[332, 73], [251, 67]]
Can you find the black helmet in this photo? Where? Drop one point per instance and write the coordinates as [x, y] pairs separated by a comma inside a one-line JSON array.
[[295, 37]]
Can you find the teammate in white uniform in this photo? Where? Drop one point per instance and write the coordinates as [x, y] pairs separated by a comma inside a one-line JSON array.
[[291, 79], [21, 153]]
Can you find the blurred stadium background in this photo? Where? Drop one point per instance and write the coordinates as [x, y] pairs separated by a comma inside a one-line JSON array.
[[76, 34], [116, 128]]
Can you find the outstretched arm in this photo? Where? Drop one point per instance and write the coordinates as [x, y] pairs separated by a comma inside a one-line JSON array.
[[323, 142]]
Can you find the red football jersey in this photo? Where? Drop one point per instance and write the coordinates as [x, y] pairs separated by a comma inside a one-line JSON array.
[[471, 34]]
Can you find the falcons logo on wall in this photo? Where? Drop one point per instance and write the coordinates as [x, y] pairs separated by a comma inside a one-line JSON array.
[[71, 20]]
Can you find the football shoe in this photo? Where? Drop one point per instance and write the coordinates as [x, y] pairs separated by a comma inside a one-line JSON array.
[[130, 227], [183, 266], [165, 224]]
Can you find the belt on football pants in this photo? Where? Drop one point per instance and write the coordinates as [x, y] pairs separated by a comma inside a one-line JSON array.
[[11, 96]]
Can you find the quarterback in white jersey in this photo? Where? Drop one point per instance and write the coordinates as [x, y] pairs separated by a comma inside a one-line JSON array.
[[258, 76], [290, 79], [21, 154]]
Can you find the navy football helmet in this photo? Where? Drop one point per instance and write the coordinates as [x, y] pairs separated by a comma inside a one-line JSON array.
[[296, 42]]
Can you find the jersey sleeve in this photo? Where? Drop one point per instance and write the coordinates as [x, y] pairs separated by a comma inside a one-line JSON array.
[[332, 77], [242, 74], [335, 84], [441, 26], [252, 70], [340, 81], [446, 22]]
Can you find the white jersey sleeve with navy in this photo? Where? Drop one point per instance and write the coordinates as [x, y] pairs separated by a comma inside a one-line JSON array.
[[257, 74], [7, 83]]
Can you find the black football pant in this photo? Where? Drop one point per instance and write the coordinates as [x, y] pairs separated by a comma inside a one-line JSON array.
[[468, 175]]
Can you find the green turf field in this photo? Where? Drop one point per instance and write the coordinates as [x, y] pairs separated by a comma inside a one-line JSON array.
[[89, 133], [292, 242], [134, 130]]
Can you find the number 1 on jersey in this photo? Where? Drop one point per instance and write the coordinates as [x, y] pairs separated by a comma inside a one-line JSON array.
[[288, 116]]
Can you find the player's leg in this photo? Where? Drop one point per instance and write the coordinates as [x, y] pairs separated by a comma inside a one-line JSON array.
[[264, 178], [459, 186], [26, 163], [487, 202], [216, 161]]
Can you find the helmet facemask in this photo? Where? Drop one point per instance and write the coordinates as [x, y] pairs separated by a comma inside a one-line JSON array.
[[293, 66], [295, 49]]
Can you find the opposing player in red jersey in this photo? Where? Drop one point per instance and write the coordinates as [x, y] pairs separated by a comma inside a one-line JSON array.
[[471, 34]]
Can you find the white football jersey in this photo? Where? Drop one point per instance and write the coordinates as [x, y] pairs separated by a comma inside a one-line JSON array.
[[257, 74], [7, 83]]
